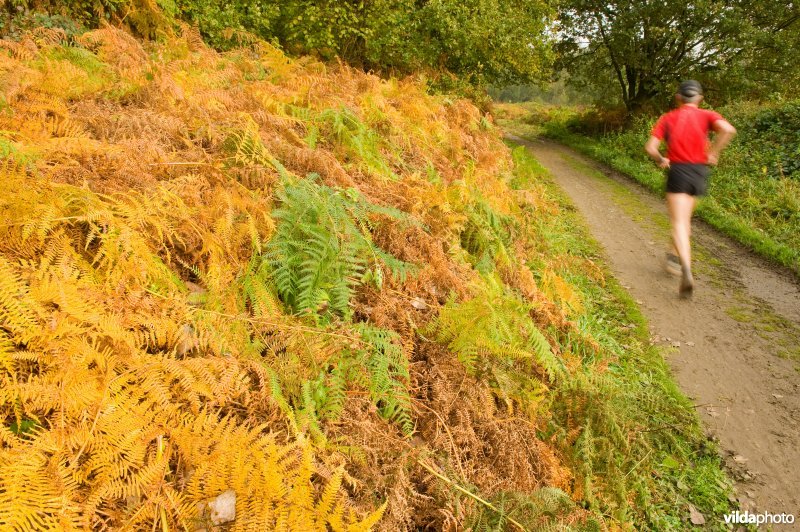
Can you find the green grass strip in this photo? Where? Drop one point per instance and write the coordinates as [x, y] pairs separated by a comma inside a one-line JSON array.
[[641, 437]]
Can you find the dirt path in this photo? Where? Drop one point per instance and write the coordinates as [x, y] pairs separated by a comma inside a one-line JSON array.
[[735, 344]]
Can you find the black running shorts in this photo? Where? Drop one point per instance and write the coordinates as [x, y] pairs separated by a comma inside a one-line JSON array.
[[688, 178]]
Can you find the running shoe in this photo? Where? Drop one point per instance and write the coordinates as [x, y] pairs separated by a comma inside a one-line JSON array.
[[673, 264], [687, 284]]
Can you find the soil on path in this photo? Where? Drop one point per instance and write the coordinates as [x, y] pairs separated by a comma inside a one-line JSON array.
[[733, 347]]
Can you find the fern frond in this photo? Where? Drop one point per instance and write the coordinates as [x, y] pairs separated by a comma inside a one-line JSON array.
[[370, 521], [387, 376], [486, 235], [321, 248], [17, 310], [329, 497], [492, 332], [31, 495], [6, 351]]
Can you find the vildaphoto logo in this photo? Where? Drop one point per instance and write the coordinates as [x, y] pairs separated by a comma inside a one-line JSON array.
[[747, 518]]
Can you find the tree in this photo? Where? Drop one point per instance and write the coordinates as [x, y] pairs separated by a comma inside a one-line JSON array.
[[768, 64], [646, 46], [481, 41]]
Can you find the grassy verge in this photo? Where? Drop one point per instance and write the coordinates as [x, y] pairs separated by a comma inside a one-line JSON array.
[[746, 201], [667, 464]]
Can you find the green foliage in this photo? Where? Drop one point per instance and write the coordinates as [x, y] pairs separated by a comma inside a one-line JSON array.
[[9, 150], [375, 362], [217, 19], [479, 41], [486, 235], [764, 68], [498, 41], [350, 132], [494, 337], [555, 92], [24, 426], [772, 135], [494, 324], [14, 25], [536, 511], [148, 18], [86, 61], [640, 50], [327, 26], [322, 248], [380, 366]]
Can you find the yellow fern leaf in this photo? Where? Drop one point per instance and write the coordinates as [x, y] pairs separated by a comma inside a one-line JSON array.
[[368, 522], [329, 496], [17, 310], [559, 290]]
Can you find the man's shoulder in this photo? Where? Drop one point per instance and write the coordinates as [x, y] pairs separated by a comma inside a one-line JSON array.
[[710, 115], [669, 115]]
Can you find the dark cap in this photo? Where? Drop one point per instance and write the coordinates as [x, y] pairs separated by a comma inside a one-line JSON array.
[[690, 88]]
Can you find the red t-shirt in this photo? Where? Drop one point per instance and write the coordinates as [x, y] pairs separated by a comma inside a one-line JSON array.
[[685, 130]]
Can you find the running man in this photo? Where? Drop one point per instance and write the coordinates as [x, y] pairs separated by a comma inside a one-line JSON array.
[[689, 155]]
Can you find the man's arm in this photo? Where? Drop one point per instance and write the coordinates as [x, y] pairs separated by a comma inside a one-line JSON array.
[[651, 147], [724, 133]]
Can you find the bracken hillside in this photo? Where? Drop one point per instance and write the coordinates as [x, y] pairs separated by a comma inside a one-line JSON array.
[[340, 298]]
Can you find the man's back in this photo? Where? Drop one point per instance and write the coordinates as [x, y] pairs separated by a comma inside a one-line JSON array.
[[685, 131]]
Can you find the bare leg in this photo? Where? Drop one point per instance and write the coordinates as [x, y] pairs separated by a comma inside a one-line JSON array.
[[680, 207]]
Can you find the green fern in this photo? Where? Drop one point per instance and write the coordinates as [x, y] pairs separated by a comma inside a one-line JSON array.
[[307, 414], [322, 248], [495, 324], [360, 140], [494, 336], [375, 362], [387, 373], [333, 390], [541, 510], [486, 235]]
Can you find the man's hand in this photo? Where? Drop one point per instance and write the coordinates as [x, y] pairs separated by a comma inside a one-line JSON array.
[[651, 147], [725, 132]]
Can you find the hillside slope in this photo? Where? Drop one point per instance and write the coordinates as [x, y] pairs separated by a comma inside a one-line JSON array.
[[339, 297]]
